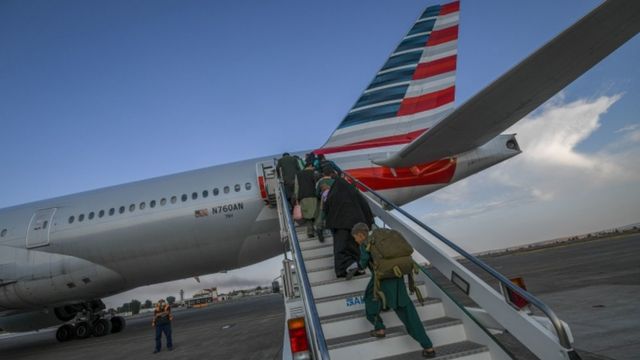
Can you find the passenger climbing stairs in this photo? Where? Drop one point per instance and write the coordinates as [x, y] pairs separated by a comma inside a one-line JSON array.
[[326, 318], [341, 310]]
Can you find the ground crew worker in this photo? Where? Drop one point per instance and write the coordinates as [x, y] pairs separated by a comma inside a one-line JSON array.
[[395, 292], [162, 321], [288, 166]]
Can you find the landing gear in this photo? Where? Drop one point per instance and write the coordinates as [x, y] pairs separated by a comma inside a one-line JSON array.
[[117, 324], [65, 333], [101, 327], [90, 320], [83, 330]]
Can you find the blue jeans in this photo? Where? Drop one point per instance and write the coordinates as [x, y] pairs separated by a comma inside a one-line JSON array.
[[166, 328]]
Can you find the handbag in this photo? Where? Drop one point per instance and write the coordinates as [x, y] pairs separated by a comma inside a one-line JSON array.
[[297, 212]]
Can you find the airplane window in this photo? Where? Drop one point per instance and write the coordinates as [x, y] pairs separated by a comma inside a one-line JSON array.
[[163, 202], [71, 219], [226, 189], [216, 192], [184, 197], [237, 187], [194, 195], [142, 205], [3, 233], [81, 217], [152, 203], [91, 215], [112, 211], [101, 213], [132, 207], [121, 210], [205, 193], [44, 226], [247, 186], [174, 199]]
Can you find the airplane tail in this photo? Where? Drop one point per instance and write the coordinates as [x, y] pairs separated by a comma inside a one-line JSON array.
[[413, 90]]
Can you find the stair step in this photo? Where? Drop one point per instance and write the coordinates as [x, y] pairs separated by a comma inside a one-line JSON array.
[[348, 302], [325, 274], [450, 351], [304, 245], [441, 331], [318, 262], [355, 322], [339, 286], [322, 249]]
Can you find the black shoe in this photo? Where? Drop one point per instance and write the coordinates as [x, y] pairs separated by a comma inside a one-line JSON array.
[[428, 354], [351, 273], [156, 351], [320, 236]]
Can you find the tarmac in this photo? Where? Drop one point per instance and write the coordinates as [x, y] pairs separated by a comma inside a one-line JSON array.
[[249, 328], [593, 285]]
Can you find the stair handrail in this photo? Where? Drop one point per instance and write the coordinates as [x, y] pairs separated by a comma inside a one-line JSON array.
[[318, 339], [555, 321]]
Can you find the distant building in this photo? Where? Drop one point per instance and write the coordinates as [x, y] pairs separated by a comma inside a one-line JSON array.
[[202, 298]]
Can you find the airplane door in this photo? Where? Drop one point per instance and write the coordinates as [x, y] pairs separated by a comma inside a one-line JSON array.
[[266, 173], [39, 228]]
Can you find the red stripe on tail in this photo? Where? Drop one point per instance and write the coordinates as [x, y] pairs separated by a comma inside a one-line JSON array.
[[427, 101], [436, 67], [373, 143], [450, 8], [442, 36]]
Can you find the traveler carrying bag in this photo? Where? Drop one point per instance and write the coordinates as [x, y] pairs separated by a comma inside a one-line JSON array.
[[390, 259]]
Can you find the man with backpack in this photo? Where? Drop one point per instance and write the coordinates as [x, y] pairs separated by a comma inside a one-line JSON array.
[[388, 255]]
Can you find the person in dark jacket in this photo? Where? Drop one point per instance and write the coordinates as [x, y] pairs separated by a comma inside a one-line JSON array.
[[288, 167], [305, 190], [344, 208]]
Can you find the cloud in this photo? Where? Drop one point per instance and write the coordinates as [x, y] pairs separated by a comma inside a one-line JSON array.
[[550, 169], [627, 128]]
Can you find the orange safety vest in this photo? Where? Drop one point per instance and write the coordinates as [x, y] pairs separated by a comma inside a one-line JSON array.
[[158, 309]]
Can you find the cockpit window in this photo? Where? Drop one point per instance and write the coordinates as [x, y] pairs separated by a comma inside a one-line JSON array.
[[3, 233]]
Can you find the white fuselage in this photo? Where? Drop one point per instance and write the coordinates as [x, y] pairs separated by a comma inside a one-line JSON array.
[[205, 230]]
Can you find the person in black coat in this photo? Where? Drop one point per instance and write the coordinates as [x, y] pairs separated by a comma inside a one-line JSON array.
[[344, 208]]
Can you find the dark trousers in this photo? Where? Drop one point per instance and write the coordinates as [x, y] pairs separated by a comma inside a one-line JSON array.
[[407, 314], [166, 328], [345, 251]]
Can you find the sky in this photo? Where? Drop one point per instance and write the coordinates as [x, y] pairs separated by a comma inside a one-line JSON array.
[[99, 93]]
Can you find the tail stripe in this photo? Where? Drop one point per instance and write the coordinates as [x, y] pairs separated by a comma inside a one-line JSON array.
[[435, 67], [426, 102], [411, 93]]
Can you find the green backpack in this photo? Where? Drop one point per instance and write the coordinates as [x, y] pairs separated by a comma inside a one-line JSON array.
[[391, 259]]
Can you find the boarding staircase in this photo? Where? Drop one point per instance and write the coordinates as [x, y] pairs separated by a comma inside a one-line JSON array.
[[334, 308]]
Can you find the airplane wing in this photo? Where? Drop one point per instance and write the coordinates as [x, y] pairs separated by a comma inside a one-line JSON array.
[[526, 86]]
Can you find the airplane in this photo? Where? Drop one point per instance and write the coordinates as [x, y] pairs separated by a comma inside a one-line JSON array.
[[403, 137]]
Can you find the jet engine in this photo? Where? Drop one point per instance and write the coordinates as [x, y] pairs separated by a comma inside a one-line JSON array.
[[29, 321]]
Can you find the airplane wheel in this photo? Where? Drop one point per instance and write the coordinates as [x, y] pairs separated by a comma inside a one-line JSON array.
[[101, 327], [65, 333], [83, 330], [117, 324]]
